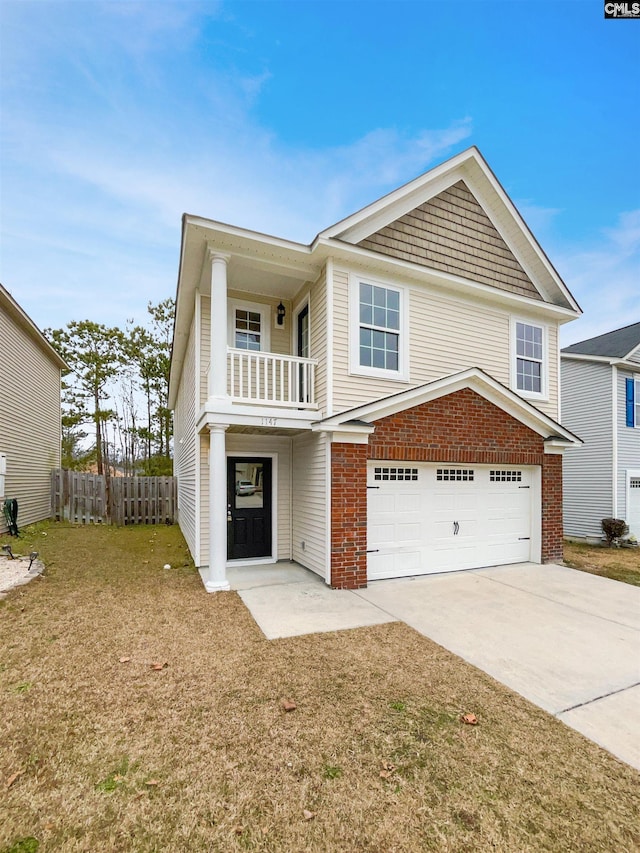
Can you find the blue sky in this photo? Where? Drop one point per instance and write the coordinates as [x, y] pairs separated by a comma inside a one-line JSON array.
[[284, 117]]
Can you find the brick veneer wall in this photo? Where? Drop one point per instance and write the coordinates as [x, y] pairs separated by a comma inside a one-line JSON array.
[[348, 515], [460, 428]]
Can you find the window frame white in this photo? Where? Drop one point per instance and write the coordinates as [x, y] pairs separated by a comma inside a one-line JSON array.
[[260, 308], [355, 368], [543, 394]]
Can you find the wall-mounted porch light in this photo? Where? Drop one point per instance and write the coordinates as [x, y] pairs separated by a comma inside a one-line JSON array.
[[281, 314]]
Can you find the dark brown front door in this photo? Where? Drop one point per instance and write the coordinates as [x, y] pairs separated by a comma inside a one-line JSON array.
[[249, 507]]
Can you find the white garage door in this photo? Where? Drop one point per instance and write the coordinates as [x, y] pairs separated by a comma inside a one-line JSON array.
[[439, 518]]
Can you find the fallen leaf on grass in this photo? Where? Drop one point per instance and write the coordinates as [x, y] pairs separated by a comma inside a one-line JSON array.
[[388, 769], [469, 719], [125, 660], [238, 830], [307, 815], [152, 782], [14, 776], [158, 666], [289, 705]]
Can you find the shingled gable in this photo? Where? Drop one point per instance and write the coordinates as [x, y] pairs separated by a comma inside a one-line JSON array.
[[457, 219]]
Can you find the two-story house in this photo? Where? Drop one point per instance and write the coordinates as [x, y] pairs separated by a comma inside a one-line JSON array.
[[601, 401], [382, 402]]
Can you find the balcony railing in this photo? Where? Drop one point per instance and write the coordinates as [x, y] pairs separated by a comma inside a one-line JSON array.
[[271, 379]]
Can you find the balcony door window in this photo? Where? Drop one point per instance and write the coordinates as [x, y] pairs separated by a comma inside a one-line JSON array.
[[248, 330], [249, 326]]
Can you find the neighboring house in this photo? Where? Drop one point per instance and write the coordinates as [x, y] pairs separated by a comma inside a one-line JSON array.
[[600, 380], [30, 416], [390, 391]]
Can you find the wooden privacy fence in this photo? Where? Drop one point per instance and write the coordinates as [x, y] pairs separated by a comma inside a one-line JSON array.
[[89, 499]]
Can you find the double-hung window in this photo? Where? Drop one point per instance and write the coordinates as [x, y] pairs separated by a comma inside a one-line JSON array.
[[529, 358], [377, 329]]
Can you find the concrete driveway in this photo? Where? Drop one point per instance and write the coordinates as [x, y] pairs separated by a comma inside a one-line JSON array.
[[566, 640]]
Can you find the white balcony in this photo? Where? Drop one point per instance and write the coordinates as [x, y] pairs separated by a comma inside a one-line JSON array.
[[271, 379]]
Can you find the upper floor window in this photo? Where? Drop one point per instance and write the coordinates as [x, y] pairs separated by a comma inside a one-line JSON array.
[[529, 360], [378, 333], [379, 326]]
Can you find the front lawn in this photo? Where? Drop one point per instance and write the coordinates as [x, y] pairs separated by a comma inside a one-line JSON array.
[[620, 564], [103, 751]]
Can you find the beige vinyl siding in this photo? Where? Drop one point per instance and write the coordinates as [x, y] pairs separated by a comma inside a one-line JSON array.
[[552, 408], [446, 335], [452, 233], [309, 494], [30, 432], [318, 338], [628, 441], [185, 446], [587, 471]]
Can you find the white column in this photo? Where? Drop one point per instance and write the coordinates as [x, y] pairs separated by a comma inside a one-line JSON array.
[[218, 333], [217, 576]]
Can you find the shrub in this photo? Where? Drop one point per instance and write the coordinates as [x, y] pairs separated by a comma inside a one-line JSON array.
[[614, 529]]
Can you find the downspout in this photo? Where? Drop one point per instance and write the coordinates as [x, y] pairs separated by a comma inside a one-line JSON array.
[[614, 440]]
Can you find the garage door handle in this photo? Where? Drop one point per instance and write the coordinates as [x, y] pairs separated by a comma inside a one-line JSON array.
[[456, 528], [373, 551]]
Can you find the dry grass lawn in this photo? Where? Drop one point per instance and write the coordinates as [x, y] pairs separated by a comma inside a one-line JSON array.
[[620, 564], [200, 755]]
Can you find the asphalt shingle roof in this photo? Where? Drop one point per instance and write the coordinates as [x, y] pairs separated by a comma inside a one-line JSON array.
[[616, 344]]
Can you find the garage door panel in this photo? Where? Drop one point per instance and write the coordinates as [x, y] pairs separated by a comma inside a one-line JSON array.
[[468, 518]]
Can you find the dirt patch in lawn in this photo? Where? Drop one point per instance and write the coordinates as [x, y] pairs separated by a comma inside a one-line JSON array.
[[620, 564], [140, 713]]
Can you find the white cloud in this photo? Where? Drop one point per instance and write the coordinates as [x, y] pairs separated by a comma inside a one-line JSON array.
[[605, 279]]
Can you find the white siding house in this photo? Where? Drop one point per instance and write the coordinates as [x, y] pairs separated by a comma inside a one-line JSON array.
[[30, 416], [601, 402], [418, 335]]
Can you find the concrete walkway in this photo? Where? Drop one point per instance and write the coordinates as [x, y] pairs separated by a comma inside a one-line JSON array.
[[566, 640]]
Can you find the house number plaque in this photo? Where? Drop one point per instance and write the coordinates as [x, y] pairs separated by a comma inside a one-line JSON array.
[[269, 422]]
